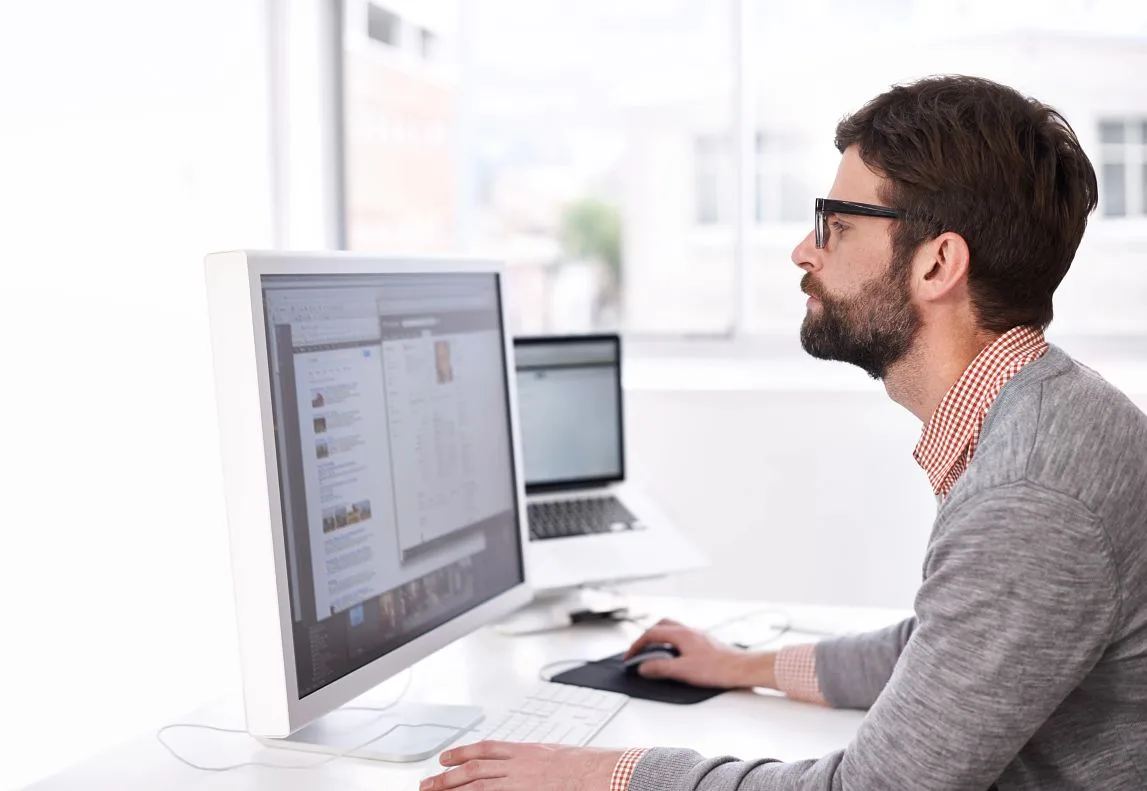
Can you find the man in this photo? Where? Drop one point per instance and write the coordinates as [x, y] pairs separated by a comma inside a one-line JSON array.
[[956, 211]]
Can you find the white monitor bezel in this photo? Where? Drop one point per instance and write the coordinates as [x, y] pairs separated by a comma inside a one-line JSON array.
[[251, 483]]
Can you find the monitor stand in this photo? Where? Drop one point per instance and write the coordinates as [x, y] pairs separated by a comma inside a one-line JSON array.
[[403, 733], [557, 610]]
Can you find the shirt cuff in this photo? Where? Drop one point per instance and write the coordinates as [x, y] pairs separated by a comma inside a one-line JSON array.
[[623, 772], [796, 674]]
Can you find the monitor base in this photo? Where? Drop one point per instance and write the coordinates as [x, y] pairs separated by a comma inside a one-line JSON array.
[[403, 733]]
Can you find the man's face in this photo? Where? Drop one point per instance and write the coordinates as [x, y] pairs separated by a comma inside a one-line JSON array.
[[860, 309]]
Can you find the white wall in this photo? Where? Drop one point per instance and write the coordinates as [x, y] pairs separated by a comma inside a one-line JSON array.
[[796, 496], [133, 140], [795, 476]]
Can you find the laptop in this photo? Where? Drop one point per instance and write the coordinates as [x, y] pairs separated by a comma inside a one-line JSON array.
[[587, 524]]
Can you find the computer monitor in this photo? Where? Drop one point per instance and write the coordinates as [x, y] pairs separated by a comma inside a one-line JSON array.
[[367, 414]]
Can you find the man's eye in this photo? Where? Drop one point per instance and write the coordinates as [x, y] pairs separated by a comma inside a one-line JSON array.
[[837, 226]]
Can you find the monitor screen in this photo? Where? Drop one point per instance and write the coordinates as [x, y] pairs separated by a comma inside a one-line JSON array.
[[569, 410], [395, 458]]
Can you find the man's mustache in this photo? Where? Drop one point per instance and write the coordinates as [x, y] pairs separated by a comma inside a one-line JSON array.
[[812, 287]]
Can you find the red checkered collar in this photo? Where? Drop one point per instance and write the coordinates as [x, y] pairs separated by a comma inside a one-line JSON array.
[[954, 428]]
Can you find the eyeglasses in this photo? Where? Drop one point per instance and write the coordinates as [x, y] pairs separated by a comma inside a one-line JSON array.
[[827, 206]]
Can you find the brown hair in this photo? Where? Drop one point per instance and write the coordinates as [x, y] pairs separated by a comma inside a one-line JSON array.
[[977, 158]]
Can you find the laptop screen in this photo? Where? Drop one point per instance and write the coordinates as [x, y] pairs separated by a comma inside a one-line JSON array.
[[569, 407]]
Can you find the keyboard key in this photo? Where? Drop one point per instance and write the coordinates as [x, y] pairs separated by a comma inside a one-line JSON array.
[[551, 713], [585, 516]]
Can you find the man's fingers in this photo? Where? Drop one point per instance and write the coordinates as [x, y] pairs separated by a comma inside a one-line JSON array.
[[662, 633], [480, 751], [464, 775]]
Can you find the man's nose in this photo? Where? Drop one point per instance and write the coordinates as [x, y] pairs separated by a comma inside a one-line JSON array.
[[805, 255]]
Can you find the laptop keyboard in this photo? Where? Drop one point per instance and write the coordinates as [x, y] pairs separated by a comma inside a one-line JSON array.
[[578, 517]]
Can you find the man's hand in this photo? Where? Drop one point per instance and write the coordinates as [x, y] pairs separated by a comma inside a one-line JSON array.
[[503, 766], [704, 662]]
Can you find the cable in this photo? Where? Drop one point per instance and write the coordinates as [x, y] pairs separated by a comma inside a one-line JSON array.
[[323, 762], [542, 670], [646, 622], [786, 626], [748, 616], [780, 630]]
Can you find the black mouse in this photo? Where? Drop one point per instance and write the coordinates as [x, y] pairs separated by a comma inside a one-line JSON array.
[[651, 651]]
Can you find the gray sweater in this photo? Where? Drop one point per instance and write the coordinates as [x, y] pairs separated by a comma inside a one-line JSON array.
[[1025, 665]]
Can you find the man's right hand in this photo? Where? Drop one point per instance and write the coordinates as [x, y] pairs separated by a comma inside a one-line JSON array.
[[704, 662]]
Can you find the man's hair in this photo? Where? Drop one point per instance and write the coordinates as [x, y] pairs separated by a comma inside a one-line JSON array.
[[1005, 172]]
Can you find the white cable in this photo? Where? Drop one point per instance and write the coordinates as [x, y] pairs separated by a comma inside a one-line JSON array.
[[323, 762], [749, 615], [780, 629], [542, 670]]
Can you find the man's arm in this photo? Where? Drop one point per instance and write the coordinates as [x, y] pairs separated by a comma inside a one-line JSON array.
[[985, 666], [844, 673], [847, 672], [852, 671]]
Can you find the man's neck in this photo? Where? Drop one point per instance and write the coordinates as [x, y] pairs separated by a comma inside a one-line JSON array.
[[920, 380]]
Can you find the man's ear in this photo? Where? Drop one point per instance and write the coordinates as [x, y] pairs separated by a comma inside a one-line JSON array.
[[943, 266]]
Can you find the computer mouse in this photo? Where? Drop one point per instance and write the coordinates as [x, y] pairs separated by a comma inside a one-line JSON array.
[[651, 651]]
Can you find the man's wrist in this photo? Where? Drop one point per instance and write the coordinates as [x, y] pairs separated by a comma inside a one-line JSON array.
[[623, 770], [755, 670]]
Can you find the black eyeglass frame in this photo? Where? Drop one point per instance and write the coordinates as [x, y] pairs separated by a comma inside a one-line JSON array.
[[827, 206]]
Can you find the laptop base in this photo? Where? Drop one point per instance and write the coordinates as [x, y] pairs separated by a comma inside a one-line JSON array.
[[550, 613]]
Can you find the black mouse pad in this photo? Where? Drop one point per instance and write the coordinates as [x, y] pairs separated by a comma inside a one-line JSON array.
[[610, 675]]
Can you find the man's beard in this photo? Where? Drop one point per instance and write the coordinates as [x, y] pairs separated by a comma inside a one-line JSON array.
[[872, 330]]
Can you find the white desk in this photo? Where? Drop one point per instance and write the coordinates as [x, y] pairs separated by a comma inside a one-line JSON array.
[[490, 670]]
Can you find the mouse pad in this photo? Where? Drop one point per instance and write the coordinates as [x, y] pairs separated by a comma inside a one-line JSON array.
[[609, 674]]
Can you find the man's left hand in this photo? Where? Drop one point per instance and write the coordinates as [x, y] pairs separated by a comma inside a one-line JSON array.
[[503, 766]]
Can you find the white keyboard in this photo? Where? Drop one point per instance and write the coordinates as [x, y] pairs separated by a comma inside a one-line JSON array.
[[551, 713]]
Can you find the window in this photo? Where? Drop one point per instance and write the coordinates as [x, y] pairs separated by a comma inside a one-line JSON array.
[[780, 194], [429, 44], [715, 176], [382, 25], [589, 144], [575, 164], [1114, 188], [783, 191], [1123, 176]]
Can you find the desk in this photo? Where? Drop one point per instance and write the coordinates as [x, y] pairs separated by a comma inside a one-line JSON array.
[[489, 669]]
